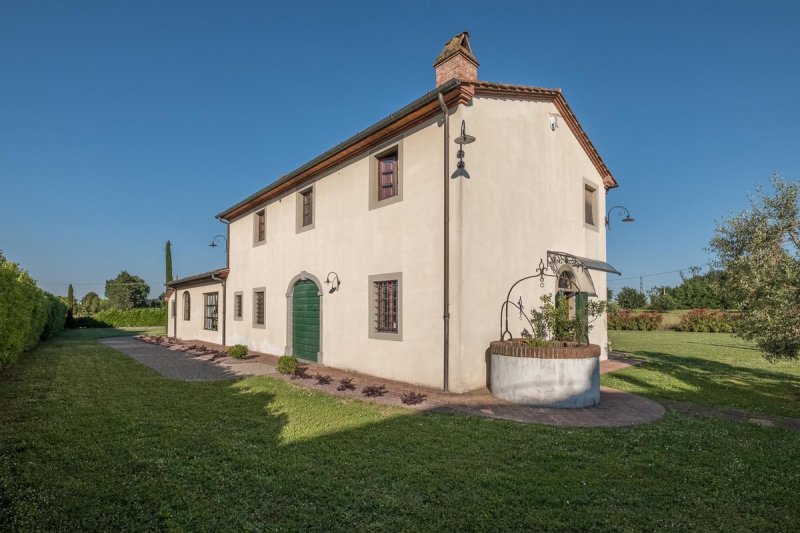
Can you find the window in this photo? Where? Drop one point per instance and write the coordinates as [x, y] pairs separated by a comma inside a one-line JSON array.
[[386, 306], [258, 307], [589, 205], [211, 300], [305, 209], [260, 227], [386, 176], [187, 306], [173, 307], [308, 207], [238, 307]]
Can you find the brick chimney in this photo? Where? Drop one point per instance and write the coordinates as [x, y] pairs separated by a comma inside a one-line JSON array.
[[456, 61]]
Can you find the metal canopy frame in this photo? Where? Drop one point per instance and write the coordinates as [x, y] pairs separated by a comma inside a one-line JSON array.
[[554, 262]]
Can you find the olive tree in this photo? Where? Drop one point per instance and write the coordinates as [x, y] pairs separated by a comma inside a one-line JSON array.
[[759, 250]]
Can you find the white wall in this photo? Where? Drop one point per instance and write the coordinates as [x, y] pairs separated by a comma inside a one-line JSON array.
[[525, 197], [355, 242], [193, 329]]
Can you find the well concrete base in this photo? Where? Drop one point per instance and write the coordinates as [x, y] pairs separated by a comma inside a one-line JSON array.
[[566, 383]]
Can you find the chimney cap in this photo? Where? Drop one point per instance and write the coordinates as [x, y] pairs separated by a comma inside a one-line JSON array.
[[458, 44]]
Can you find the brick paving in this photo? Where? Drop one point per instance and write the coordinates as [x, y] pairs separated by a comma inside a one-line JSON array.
[[616, 408]]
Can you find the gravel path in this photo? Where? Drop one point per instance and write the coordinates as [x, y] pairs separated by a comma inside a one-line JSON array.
[[173, 364]]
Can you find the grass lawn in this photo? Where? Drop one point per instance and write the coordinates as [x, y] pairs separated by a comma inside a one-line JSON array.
[[706, 368], [91, 440]]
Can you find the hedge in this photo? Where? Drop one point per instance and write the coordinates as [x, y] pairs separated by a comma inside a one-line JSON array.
[[626, 320], [117, 318], [708, 321], [27, 313]]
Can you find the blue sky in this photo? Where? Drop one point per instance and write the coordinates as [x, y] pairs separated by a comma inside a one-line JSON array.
[[124, 124]]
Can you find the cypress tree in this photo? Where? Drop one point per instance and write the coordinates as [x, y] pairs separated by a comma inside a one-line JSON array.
[[168, 260], [70, 297]]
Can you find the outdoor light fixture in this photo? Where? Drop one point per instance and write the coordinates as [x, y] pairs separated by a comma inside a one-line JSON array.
[[214, 241], [333, 282], [628, 217], [554, 121], [461, 141]]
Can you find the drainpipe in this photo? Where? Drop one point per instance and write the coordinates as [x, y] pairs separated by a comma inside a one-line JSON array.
[[217, 278], [446, 303]]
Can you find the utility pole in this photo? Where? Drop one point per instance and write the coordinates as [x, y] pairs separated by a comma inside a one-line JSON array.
[[641, 284]]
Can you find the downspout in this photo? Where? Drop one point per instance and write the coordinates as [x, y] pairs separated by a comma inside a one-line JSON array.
[[446, 302], [216, 278]]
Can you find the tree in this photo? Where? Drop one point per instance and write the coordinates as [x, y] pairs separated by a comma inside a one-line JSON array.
[[630, 298], [90, 304], [168, 261], [127, 291], [70, 299], [759, 251]]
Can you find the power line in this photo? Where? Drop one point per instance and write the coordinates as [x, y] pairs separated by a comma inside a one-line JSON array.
[[656, 274]]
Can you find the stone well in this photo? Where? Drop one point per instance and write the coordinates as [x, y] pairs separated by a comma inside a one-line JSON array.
[[567, 375]]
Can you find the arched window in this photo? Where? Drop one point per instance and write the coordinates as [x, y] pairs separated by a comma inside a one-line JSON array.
[[187, 306]]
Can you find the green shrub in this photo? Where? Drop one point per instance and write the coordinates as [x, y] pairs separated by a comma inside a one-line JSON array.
[[626, 320], [663, 302], [287, 364], [708, 321], [27, 313], [238, 351], [118, 318]]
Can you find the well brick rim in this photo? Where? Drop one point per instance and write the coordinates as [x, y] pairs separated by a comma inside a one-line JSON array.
[[568, 350]]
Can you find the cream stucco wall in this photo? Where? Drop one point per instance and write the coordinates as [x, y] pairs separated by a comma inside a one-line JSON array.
[[525, 197], [193, 328], [356, 242]]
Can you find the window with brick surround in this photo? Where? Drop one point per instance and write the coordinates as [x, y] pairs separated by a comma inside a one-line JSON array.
[[211, 310], [385, 300]]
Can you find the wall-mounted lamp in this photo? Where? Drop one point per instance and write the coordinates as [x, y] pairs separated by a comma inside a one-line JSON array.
[[333, 280], [554, 121], [628, 217], [214, 241], [461, 141]]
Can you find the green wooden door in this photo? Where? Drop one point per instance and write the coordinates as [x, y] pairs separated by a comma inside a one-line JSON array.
[[305, 320], [582, 312]]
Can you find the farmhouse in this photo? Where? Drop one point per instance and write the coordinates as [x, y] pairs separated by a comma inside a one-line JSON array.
[[392, 253]]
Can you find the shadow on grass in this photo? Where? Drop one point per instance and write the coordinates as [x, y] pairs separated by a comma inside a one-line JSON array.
[[91, 441], [706, 381]]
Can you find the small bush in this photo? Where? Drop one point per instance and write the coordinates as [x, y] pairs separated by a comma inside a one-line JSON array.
[[412, 398], [322, 379], [626, 320], [374, 391], [238, 351], [708, 321], [287, 364], [663, 302], [346, 384]]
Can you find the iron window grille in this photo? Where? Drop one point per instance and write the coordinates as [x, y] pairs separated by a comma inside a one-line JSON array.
[[259, 307], [386, 306], [211, 310], [237, 306]]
